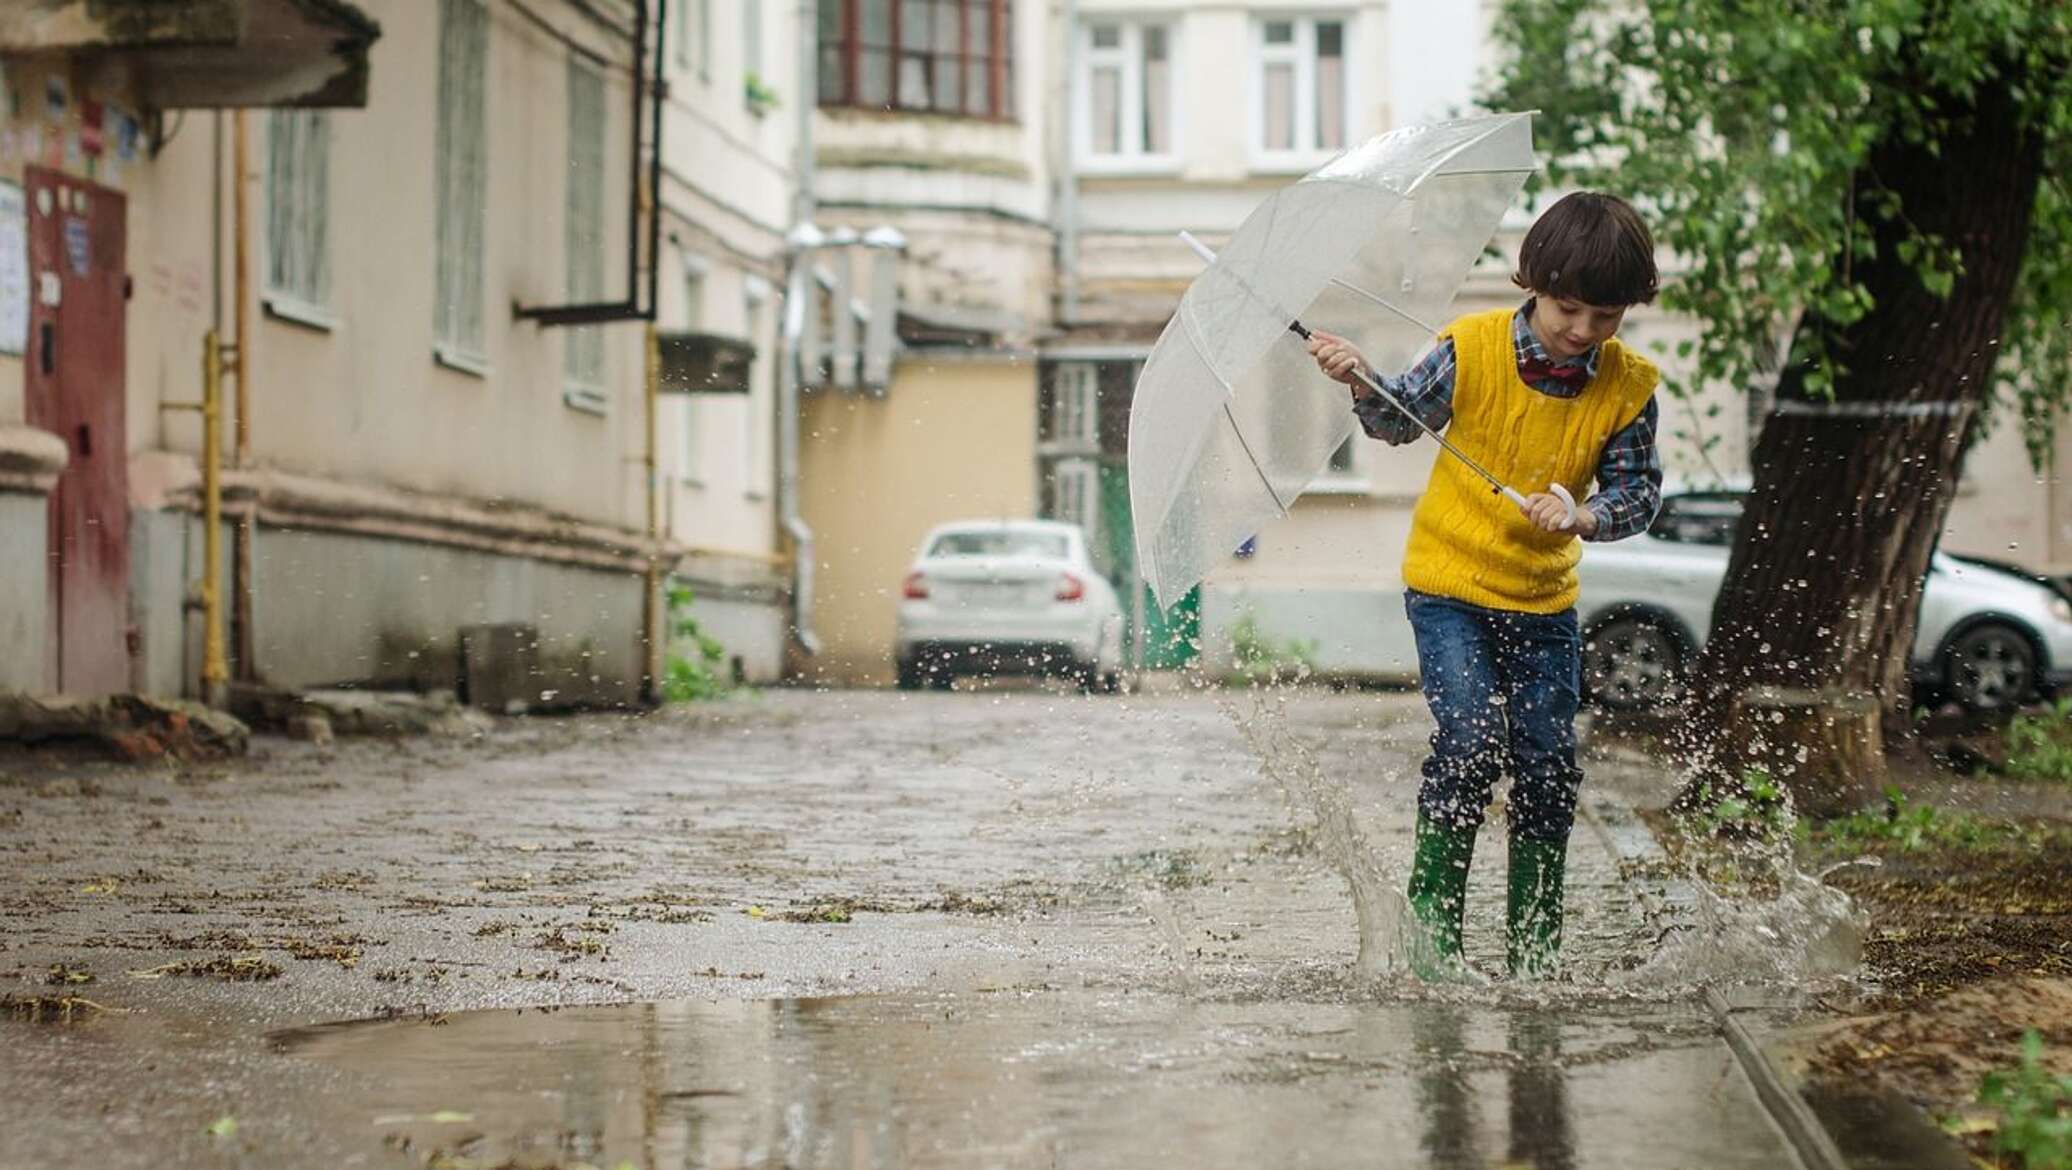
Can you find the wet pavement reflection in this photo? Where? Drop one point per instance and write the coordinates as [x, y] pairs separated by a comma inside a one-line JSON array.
[[1054, 1078]]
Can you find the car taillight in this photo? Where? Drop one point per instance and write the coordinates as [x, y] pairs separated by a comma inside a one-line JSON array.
[[1070, 588], [916, 587]]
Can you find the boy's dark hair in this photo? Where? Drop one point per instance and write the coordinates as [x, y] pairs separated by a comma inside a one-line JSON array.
[[1592, 248]]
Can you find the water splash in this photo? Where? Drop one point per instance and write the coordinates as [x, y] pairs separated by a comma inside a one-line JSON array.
[[1289, 764], [1166, 917], [1755, 917]]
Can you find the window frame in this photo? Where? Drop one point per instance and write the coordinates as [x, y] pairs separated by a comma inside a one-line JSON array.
[[1304, 154], [1128, 57], [462, 343], [304, 297], [998, 59], [1349, 480]]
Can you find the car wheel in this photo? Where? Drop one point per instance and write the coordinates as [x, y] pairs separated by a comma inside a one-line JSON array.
[[909, 675], [1631, 664], [1990, 667], [1111, 683]]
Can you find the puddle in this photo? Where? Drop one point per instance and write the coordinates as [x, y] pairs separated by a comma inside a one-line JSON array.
[[1042, 1079]]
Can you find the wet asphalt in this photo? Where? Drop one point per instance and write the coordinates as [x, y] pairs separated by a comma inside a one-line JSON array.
[[847, 929]]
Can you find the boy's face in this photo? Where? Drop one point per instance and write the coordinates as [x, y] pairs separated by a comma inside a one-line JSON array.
[[1568, 327]]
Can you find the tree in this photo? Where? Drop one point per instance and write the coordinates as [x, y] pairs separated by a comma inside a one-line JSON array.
[[1882, 183]]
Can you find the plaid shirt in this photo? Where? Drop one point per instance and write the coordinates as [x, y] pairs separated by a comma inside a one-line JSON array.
[[1629, 470]]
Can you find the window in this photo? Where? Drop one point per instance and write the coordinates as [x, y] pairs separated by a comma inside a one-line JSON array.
[[942, 56], [752, 38], [1301, 98], [1127, 87], [1002, 542], [584, 232], [1699, 517], [1342, 459], [694, 36], [1075, 421], [1074, 488], [462, 169], [298, 186]]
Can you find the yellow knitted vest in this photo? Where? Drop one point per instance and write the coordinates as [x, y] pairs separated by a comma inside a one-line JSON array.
[[1466, 541]]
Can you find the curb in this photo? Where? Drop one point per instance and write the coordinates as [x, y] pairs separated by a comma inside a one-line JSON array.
[[1629, 840]]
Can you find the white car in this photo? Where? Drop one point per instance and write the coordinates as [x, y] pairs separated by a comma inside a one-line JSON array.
[[1988, 638], [1007, 597]]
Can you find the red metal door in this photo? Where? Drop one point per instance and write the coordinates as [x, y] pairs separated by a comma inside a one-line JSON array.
[[75, 391]]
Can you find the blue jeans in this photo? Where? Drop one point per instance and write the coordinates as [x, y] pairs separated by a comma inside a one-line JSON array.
[[1504, 688]]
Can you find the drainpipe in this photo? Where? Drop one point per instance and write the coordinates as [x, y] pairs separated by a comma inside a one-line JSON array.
[[240, 365], [214, 675], [799, 245], [1068, 178], [654, 638], [798, 291]]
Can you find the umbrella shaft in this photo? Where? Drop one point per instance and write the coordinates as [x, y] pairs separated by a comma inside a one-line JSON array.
[[1406, 412]]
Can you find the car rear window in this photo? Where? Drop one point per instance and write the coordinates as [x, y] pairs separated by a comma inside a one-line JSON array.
[[1699, 519], [1000, 543]]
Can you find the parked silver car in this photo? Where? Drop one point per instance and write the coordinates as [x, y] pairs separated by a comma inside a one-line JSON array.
[[1988, 638], [1007, 597]]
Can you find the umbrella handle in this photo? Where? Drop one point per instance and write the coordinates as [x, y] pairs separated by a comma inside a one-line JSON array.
[[1560, 493]]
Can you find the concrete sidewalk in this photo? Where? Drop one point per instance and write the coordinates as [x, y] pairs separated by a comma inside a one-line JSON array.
[[1125, 943]]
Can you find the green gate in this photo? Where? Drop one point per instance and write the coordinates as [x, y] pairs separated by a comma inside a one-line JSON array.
[[1172, 638]]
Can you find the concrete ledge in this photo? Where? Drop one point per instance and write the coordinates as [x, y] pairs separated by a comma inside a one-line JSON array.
[[31, 460], [320, 714], [133, 727], [726, 575], [285, 499]]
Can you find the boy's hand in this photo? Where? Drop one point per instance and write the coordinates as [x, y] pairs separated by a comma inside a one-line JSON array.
[[1549, 514], [1339, 359]]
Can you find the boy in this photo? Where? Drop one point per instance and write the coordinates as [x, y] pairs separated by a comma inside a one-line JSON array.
[[1540, 395]]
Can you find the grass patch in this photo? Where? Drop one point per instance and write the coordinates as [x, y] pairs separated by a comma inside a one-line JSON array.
[[2039, 746], [2035, 1124], [1256, 657], [1907, 827]]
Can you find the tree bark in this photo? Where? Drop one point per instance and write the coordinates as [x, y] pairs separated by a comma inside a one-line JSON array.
[[1808, 652]]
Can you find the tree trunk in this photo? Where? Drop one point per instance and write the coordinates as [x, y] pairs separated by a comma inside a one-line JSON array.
[[1809, 647]]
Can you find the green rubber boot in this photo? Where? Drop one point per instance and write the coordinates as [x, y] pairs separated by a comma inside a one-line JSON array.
[[1438, 897], [1532, 914]]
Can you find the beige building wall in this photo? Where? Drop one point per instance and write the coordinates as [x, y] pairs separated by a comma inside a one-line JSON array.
[[365, 399], [953, 439], [448, 492], [2008, 509], [729, 174]]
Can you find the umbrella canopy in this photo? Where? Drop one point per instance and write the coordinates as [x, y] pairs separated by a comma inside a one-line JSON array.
[[1231, 420]]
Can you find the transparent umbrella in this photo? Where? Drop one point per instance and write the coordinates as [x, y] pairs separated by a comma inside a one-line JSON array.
[[1231, 420]]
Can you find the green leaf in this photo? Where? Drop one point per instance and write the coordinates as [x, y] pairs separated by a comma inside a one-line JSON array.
[[225, 1126]]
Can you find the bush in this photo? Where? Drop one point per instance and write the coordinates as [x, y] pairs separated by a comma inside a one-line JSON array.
[[700, 675], [2039, 747], [1256, 657], [2034, 1123]]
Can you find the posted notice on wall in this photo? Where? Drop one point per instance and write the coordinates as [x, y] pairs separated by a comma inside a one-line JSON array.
[[14, 270]]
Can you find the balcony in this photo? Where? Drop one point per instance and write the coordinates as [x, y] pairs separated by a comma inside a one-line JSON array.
[[208, 54]]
